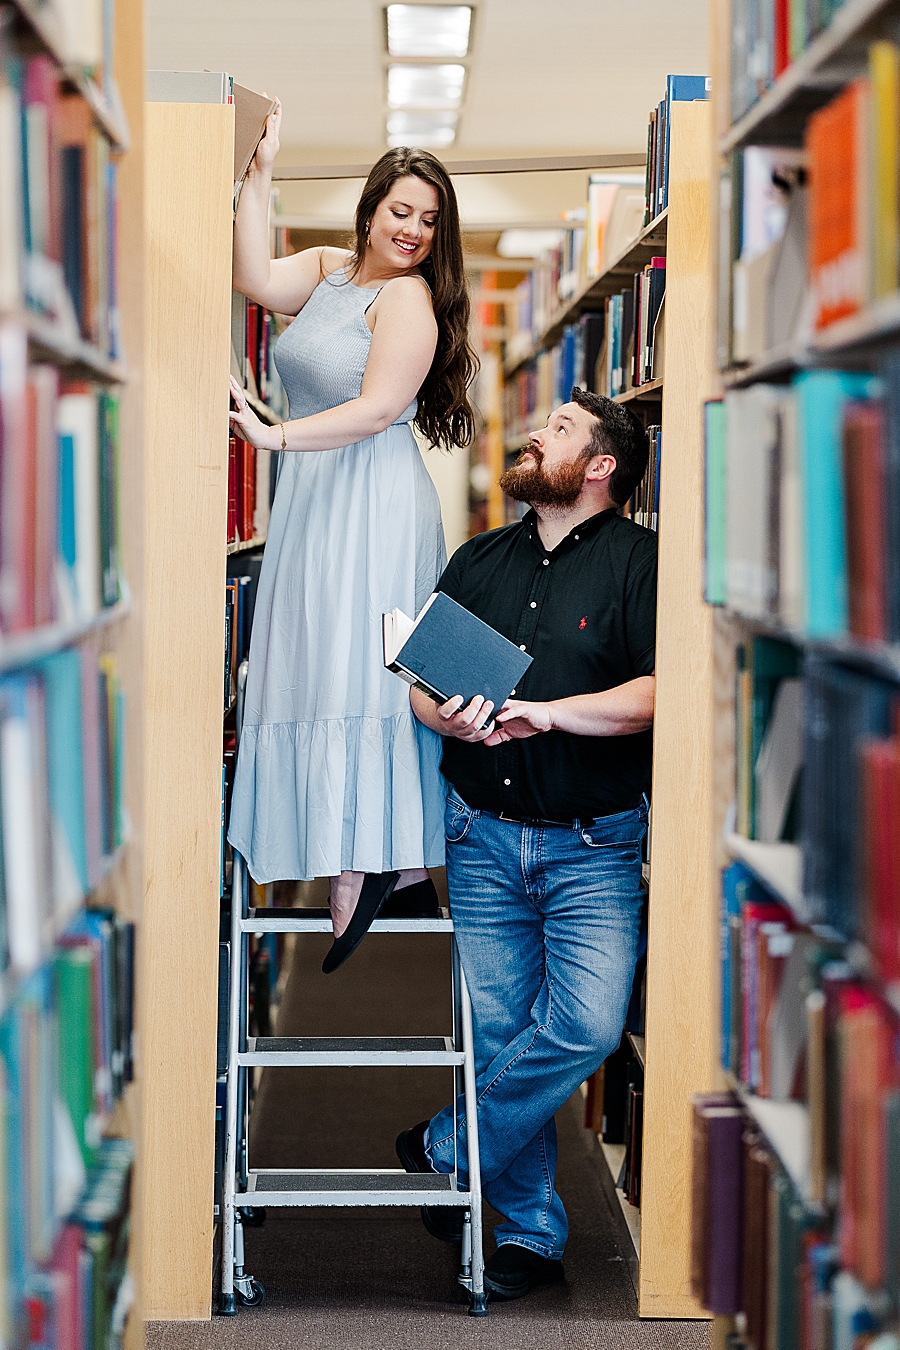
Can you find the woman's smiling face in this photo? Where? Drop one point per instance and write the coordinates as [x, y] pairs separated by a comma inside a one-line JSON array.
[[401, 231]]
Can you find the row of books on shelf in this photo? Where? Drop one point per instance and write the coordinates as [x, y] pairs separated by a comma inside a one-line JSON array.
[[251, 487], [633, 347], [61, 795], [818, 765], [240, 594], [65, 1059], [802, 1027], [766, 36], [679, 89], [614, 1110], [814, 232], [254, 332], [643, 505], [761, 1256], [59, 468], [608, 351], [802, 520], [58, 186], [593, 237]]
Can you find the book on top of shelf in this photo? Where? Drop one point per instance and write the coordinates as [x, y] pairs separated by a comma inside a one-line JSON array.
[[251, 111]]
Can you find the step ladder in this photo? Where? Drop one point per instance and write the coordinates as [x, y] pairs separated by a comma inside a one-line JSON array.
[[247, 1189]]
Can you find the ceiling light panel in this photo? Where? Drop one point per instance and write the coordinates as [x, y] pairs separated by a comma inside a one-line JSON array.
[[430, 130], [428, 30], [425, 86]]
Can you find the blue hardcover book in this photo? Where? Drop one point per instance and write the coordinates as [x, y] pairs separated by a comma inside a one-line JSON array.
[[821, 396], [679, 89], [66, 541], [62, 677], [448, 651], [568, 360], [731, 910], [15, 1099]]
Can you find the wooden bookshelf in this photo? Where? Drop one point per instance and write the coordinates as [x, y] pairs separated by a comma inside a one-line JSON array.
[[189, 191], [832, 59], [682, 970], [651, 392], [632, 258]]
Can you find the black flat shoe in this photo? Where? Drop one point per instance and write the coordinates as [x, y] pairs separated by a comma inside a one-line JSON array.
[[419, 901], [514, 1271], [376, 888], [442, 1222]]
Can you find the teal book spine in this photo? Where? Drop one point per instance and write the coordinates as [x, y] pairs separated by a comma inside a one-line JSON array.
[[715, 453], [821, 396]]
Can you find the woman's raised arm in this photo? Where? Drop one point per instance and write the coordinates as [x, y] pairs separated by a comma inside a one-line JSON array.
[[281, 284]]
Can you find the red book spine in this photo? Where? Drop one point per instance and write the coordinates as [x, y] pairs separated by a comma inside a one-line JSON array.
[[782, 36], [863, 450], [247, 507], [232, 488]]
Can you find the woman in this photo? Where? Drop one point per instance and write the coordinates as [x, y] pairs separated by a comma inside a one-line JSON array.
[[335, 777]]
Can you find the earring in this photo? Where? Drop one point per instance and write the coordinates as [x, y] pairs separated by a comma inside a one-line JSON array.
[[368, 234]]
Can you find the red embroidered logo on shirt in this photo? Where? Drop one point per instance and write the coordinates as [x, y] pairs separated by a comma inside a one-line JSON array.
[[583, 623]]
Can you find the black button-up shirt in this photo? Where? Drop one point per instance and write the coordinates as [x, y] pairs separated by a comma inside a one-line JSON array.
[[586, 613]]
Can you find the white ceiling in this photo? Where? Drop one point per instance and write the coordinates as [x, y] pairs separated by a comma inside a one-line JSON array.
[[545, 77]]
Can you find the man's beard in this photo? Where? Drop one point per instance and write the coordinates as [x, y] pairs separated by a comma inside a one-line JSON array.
[[529, 483]]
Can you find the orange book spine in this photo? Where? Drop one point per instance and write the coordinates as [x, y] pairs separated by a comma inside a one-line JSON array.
[[836, 145]]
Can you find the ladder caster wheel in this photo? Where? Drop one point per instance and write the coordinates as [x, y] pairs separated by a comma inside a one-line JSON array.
[[478, 1307], [256, 1295], [228, 1306], [253, 1217]]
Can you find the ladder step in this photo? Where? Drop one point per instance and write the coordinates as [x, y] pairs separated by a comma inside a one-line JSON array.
[[285, 1187], [349, 1051], [318, 921]]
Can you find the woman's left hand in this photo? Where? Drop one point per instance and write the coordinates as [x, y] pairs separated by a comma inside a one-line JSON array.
[[246, 424]]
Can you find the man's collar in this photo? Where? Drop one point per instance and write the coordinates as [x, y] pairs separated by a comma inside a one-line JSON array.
[[585, 529]]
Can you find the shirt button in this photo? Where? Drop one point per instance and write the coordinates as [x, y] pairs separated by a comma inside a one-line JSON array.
[[506, 782], [534, 604], [521, 646], [578, 536], [546, 562]]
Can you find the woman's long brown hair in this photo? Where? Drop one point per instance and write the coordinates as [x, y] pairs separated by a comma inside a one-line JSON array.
[[445, 415]]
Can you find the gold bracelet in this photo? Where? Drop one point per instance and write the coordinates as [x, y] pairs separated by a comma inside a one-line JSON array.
[[283, 437]]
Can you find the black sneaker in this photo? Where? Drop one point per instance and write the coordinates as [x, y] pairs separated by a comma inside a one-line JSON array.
[[513, 1271], [442, 1221]]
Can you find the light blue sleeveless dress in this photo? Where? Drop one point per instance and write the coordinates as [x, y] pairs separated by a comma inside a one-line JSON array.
[[334, 773]]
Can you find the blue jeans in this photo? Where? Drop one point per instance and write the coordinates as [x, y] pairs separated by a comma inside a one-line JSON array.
[[547, 922]]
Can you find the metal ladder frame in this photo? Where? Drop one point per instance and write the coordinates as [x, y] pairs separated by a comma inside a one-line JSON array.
[[329, 1187]]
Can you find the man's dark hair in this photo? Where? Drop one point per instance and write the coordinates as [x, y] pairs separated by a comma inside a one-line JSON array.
[[619, 433]]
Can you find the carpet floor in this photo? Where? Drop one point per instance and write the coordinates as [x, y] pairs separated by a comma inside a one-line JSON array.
[[341, 1279]]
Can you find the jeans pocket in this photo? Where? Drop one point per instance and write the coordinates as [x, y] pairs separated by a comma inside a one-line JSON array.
[[457, 819], [621, 834]]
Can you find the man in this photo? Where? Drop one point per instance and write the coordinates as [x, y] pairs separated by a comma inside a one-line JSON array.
[[546, 814]]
